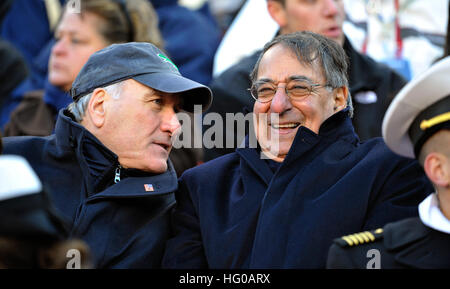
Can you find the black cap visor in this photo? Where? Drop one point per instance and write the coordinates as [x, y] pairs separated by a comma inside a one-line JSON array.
[[193, 93]]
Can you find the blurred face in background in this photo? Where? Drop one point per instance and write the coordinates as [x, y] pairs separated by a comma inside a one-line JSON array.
[[324, 17], [76, 39]]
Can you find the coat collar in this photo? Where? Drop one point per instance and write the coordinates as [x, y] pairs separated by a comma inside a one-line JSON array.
[[337, 126], [415, 245], [99, 164], [432, 216]]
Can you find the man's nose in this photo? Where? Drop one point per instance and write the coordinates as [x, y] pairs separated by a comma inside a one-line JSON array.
[[330, 7], [170, 122], [280, 102], [59, 47]]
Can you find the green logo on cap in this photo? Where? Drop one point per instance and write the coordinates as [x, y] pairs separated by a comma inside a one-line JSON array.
[[166, 59]]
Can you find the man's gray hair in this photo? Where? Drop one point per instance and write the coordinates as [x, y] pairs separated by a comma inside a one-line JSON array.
[[78, 108], [311, 48]]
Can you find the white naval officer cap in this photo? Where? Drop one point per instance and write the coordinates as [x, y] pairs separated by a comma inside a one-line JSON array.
[[25, 211], [17, 178], [420, 109]]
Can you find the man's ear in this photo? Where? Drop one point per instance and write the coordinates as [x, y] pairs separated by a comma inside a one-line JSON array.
[[277, 12], [436, 168], [96, 107], [340, 98]]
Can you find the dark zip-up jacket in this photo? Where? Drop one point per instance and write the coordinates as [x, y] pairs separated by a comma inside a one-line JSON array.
[[126, 224], [236, 212]]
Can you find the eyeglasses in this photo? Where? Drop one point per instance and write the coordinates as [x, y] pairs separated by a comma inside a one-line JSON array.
[[264, 91]]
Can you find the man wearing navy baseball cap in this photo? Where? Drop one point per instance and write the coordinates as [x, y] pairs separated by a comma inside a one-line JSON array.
[[416, 125], [106, 168]]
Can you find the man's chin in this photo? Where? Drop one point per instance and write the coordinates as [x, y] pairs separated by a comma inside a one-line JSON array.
[[160, 169], [276, 152], [156, 167]]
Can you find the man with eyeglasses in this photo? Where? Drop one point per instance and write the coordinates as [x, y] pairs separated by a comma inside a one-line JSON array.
[[261, 207], [372, 85]]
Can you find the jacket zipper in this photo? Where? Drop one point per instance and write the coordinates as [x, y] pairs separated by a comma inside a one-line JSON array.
[[117, 176]]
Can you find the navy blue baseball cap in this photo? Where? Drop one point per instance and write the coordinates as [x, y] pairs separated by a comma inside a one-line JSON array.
[[143, 62]]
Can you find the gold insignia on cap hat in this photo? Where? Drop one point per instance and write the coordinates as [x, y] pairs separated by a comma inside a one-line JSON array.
[[425, 124]]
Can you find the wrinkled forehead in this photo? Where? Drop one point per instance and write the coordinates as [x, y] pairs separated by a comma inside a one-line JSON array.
[[284, 59], [147, 93], [167, 97]]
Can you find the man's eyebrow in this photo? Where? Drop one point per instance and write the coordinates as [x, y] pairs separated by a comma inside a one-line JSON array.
[[292, 77], [149, 95], [164, 95], [68, 31], [300, 77], [264, 80]]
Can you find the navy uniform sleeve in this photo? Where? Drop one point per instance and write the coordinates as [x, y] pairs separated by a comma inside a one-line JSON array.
[[338, 258], [185, 250], [355, 251]]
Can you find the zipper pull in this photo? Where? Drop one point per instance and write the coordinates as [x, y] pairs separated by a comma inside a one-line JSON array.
[[117, 176]]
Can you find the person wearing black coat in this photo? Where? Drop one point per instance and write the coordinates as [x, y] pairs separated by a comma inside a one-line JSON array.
[[106, 168], [280, 204], [415, 127], [372, 85]]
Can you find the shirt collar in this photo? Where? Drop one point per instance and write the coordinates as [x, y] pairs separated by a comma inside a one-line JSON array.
[[431, 215]]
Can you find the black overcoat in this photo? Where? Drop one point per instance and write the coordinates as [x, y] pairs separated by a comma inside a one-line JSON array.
[[235, 212]]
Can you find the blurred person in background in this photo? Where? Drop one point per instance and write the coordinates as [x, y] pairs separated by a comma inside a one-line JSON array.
[[14, 67], [396, 31], [28, 25], [78, 35], [190, 38]]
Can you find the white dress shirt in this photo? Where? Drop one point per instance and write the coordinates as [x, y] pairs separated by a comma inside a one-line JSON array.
[[432, 216]]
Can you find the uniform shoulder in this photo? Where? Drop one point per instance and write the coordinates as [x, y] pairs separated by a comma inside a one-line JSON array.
[[359, 238]]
